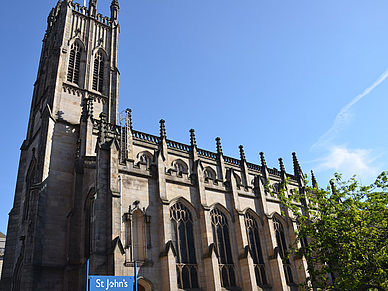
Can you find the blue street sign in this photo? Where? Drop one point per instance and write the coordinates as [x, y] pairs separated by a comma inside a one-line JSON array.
[[113, 283]]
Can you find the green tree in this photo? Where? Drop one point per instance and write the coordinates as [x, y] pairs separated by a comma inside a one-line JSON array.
[[343, 231]]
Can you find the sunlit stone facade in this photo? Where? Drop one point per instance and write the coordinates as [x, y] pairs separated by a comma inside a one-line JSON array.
[[92, 187]]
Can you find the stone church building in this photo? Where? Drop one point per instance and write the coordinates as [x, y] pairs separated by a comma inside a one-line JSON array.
[[90, 186]]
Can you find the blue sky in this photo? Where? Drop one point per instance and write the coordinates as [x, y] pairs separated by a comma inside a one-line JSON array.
[[274, 76]]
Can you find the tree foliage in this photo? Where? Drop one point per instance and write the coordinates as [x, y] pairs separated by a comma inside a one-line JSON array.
[[343, 231]]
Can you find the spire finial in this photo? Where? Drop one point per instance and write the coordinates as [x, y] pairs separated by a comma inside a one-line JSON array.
[[218, 145], [313, 180], [92, 8], [192, 138], [162, 128], [281, 165], [297, 168], [242, 154], [114, 10], [263, 163]]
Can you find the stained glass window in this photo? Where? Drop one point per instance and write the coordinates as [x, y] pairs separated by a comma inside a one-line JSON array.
[[222, 241], [255, 246], [183, 240], [282, 246]]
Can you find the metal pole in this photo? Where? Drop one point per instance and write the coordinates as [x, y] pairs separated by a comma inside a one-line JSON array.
[[87, 275], [135, 276]]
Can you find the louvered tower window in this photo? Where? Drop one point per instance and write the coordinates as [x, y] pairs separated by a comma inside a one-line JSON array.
[[183, 240], [74, 63], [222, 241], [255, 246], [98, 72], [281, 241]]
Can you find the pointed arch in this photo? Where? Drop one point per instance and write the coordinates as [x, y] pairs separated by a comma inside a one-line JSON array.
[[238, 178], [209, 173], [187, 203], [76, 64], [221, 238], [146, 284], [254, 214], [282, 247], [180, 166], [100, 70], [145, 157], [183, 239], [79, 40], [278, 217], [255, 241], [223, 209]]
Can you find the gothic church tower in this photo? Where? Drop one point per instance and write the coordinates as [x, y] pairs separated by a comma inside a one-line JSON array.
[[91, 188], [77, 78]]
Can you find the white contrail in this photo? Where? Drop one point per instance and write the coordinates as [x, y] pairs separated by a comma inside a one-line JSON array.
[[343, 116]]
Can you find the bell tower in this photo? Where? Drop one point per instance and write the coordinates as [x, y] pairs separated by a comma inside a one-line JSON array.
[[77, 81]]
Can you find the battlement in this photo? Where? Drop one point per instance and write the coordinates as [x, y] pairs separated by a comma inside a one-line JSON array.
[[81, 9], [86, 12]]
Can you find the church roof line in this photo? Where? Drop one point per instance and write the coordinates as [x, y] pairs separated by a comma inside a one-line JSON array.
[[171, 144]]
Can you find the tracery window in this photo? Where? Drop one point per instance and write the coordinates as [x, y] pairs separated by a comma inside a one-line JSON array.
[[209, 173], [183, 240], [146, 158], [98, 72], [74, 63], [222, 241], [180, 166], [282, 246], [255, 246]]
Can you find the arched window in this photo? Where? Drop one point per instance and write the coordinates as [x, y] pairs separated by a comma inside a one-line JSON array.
[[145, 157], [276, 187], [222, 241], [74, 63], [183, 240], [238, 179], [209, 173], [98, 72], [282, 246], [255, 246], [180, 166]]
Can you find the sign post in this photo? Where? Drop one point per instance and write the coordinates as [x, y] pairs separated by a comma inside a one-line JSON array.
[[135, 276], [87, 275], [113, 283]]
